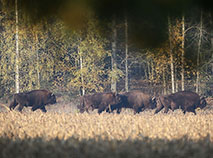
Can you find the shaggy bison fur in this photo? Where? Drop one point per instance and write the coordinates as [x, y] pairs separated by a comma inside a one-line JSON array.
[[186, 100], [100, 101], [37, 99], [136, 100]]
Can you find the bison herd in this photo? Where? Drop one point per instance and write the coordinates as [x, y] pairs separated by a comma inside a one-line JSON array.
[[139, 101], [109, 101]]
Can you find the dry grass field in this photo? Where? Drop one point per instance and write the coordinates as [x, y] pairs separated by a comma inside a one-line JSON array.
[[63, 132]]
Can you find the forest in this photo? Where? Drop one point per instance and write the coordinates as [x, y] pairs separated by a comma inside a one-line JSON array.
[[77, 48], [80, 54]]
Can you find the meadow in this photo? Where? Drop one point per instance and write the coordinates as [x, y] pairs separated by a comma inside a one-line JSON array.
[[64, 132]]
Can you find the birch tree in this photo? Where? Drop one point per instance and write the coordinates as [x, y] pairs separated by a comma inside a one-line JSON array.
[[183, 53], [17, 49], [198, 54], [113, 56], [171, 55], [126, 56]]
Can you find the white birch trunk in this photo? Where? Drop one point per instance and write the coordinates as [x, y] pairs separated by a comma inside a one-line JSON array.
[[82, 76], [164, 82], [171, 57], [126, 56], [198, 55], [183, 54], [17, 50], [37, 59], [113, 57]]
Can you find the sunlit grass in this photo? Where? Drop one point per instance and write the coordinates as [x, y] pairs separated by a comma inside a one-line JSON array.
[[33, 134], [108, 126]]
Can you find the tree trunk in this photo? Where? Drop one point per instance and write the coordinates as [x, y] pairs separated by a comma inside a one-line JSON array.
[[152, 70], [164, 82], [171, 57], [113, 57], [149, 71], [145, 71], [211, 39], [82, 76], [183, 54], [172, 73], [126, 56], [37, 59], [198, 55], [176, 80], [17, 50]]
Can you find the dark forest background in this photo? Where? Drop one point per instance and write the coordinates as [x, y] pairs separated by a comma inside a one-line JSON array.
[[77, 47]]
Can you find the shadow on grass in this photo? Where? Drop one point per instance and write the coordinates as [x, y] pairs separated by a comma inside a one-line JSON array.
[[99, 148]]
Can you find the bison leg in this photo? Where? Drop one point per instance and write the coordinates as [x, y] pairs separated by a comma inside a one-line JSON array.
[[13, 104], [101, 109], [190, 110], [82, 110], [20, 107], [142, 109], [109, 109], [166, 109], [87, 110], [35, 108], [118, 110], [194, 111], [136, 110], [43, 109], [173, 106], [158, 109]]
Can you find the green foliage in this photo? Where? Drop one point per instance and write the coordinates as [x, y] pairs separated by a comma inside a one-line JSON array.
[[90, 50], [49, 57], [7, 55]]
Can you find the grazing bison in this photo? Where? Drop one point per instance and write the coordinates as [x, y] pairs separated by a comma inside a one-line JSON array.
[[37, 99], [186, 100], [100, 101], [136, 100]]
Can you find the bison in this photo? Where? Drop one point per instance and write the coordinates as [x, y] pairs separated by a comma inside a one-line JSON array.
[[136, 100], [37, 99], [100, 101], [186, 100]]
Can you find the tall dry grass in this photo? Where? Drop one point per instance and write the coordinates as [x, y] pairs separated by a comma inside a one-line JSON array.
[[70, 134], [108, 126]]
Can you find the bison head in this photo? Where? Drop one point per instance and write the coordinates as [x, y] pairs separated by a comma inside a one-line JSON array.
[[153, 103], [116, 98], [51, 98], [203, 102], [158, 102]]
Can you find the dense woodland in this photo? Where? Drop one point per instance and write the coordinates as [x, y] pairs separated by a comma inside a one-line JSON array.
[[102, 57]]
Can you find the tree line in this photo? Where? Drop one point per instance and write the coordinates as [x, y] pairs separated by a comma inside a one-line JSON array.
[[52, 55]]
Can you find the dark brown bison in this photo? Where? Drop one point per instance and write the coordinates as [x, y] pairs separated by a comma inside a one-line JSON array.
[[136, 100], [37, 99], [100, 101], [186, 100]]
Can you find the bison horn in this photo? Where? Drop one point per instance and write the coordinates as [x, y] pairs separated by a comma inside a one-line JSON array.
[[203, 97], [153, 98]]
